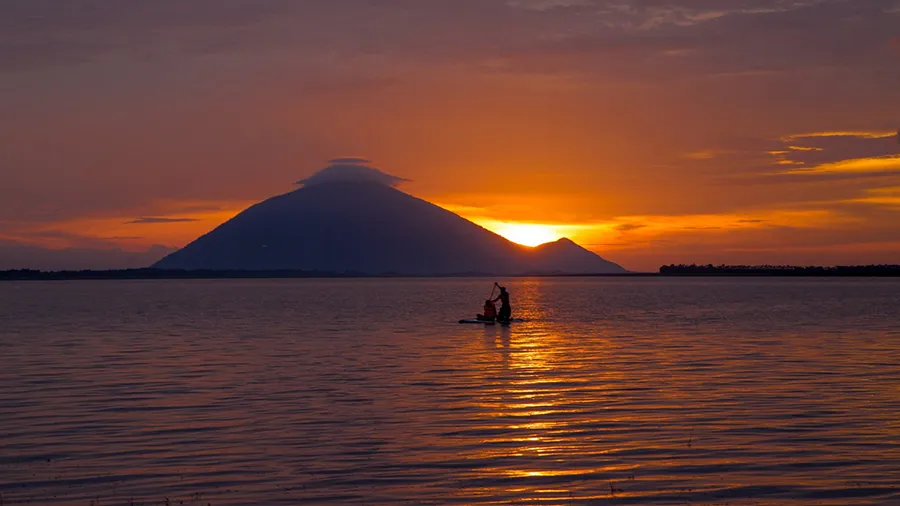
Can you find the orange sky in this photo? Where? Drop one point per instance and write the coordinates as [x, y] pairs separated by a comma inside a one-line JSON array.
[[671, 131]]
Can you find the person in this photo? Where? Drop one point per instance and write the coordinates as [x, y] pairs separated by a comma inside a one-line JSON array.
[[505, 314], [490, 312]]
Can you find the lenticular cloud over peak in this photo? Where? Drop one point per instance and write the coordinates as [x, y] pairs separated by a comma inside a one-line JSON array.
[[350, 161], [351, 170]]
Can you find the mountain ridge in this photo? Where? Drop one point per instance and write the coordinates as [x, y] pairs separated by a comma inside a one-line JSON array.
[[366, 227]]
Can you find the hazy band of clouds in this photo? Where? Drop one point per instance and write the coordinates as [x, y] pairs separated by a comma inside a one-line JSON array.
[[158, 220]]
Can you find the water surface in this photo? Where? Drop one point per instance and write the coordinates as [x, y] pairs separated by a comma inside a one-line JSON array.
[[615, 391]]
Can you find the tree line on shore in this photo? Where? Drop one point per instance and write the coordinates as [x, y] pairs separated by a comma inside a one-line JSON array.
[[152, 273], [780, 270], [149, 273]]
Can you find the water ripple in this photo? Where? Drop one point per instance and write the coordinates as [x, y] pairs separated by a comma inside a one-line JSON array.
[[634, 391]]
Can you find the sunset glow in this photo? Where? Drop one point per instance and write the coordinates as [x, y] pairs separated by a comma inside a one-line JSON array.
[[649, 134], [528, 234], [164, 223]]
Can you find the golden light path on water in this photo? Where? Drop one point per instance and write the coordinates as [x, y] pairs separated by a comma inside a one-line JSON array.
[[613, 391]]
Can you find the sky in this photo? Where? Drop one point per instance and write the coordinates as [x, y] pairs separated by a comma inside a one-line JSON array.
[[649, 131]]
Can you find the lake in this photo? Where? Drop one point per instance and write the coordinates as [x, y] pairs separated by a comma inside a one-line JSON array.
[[614, 391]]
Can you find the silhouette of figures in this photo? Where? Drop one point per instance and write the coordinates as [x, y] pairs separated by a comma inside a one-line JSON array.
[[490, 312], [505, 314]]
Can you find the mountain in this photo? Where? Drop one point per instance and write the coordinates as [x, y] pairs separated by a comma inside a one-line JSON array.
[[360, 223], [564, 256]]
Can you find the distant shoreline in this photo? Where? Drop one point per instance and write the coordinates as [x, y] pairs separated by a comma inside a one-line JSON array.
[[781, 270], [165, 274], [664, 272]]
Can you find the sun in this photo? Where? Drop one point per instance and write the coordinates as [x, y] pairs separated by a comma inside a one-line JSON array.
[[528, 234]]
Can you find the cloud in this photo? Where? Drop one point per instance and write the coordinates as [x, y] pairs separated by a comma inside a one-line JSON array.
[[154, 220], [839, 152], [60, 239], [809, 157], [889, 164], [797, 217], [545, 5], [887, 197], [17, 255], [628, 227], [720, 36], [178, 222], [859, 134], [685, 39], [45, 32], [351, 170], [848, 181], [815, 235], [708, 154]]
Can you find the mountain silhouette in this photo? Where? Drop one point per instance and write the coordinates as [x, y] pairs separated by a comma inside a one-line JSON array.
[[350, 219], [564, 256]]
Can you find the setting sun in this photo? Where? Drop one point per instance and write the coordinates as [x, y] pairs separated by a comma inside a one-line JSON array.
[[527, 234]]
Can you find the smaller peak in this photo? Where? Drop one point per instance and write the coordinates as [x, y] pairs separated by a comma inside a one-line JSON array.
[[565, 241], [351, 170]]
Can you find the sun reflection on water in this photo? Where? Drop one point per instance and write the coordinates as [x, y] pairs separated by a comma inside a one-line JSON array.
[[542, 402]]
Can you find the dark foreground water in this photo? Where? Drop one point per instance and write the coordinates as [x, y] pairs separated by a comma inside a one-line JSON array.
[[616, 391]]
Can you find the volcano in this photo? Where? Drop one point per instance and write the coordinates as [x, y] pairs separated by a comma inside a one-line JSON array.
[[351, 218]]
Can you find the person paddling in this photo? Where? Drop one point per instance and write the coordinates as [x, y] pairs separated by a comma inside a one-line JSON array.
[[505, 314], [490, 312]]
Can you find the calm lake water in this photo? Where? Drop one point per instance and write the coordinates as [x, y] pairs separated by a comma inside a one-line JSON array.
[[615, 391]]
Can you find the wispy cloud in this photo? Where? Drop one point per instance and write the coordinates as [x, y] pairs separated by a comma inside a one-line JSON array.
[[838, 151], [545, 5], [887, 197], [56, 238], [876, 134], [172, 223], [629, 227], [875, 164], [18, 255], [655, 224], [155, 220]]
